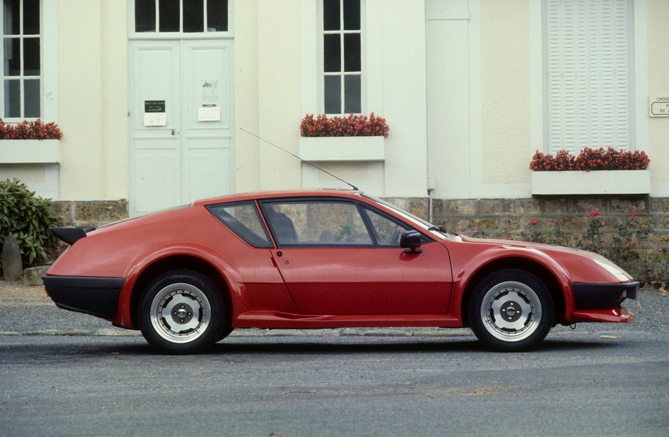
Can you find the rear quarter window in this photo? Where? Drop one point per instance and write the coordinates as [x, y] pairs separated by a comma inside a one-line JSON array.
[[244, 220]]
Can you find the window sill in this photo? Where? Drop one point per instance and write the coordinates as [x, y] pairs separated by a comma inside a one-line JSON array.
[[342, 149], [597, 182], [29, 151]]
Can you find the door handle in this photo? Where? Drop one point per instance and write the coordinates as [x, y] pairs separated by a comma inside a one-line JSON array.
[[173, 131]]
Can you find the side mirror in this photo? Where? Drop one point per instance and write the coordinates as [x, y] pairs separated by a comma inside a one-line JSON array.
[[412, 240]]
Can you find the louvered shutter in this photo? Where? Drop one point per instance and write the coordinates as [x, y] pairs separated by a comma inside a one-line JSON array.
[[589, 88]]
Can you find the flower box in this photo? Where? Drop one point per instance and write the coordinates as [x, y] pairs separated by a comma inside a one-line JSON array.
[[552, 183], [342, 148], [29, 151]]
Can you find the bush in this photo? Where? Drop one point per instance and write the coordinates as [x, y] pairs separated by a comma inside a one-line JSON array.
[[351, 126], [591, 159], [29, 218]]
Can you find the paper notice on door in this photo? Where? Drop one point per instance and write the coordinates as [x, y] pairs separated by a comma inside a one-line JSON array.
[[209, 113], [155, 119], [209, 91]]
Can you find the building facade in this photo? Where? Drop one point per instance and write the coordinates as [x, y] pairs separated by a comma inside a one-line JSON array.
[[160, 101]]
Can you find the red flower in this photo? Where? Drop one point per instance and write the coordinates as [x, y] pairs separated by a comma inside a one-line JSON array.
[[533, 222], [632, 214], [594, 214]]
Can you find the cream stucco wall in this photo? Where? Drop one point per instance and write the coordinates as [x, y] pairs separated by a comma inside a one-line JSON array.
[[658, 85], [247, 159], [279, 93], [505, 84]]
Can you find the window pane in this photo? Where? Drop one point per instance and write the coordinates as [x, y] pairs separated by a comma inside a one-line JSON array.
[[12, 17], [31, 61], [31, 93], [169, 15], [145, 15], [352, 95], [12, 99], [217, 15], [387, 231], [352, 52], [332, 53], [331, 15], [12, 57], [351, 14], [244, 221], [317, 223], [332, 94], [194, 16], [30, 17]]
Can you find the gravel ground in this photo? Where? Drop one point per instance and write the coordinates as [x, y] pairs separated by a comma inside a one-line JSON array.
[[29, 311]]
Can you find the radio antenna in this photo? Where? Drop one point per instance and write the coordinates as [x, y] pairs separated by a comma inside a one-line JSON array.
[[306, 162]]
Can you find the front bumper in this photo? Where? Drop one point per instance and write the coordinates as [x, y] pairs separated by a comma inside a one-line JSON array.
[[95, 296], [602, 296]]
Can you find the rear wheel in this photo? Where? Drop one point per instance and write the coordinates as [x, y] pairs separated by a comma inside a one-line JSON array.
[[182, 312], [511, 310]]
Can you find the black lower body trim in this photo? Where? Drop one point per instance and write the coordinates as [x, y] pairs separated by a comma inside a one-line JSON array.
[[96, 296], [602, 296]]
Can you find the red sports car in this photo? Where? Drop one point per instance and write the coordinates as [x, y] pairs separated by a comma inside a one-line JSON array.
[[324, 259]]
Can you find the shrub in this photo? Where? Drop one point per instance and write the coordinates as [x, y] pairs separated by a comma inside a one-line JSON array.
[[30, 130], [29, 218], [591, 159], [351, 126]]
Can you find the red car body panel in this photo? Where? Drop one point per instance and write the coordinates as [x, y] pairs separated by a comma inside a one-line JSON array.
[[314, 287]]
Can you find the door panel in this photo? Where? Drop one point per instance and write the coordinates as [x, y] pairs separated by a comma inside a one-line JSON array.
[[155, 164], [367, 280], [207, 152]]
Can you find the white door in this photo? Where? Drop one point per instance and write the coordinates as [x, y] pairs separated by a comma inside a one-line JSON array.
[[187, 153]]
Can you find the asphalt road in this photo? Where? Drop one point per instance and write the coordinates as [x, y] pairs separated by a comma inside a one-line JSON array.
[[64, 378]]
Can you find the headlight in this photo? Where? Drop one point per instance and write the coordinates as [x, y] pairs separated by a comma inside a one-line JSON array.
[[613, 269]]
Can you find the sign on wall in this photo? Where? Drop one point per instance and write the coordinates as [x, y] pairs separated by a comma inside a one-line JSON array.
[[659, 106], [154, 113]]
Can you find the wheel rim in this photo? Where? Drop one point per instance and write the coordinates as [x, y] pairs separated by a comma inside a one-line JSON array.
[[511, 311], [180, 313]]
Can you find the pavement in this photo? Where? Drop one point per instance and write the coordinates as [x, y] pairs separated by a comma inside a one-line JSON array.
[[27, 310]]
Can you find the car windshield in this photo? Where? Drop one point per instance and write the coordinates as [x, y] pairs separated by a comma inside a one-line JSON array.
[[424, 224]]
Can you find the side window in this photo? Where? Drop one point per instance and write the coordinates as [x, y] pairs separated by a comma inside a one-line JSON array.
[[243, 219], [316, 223], [386, 231]]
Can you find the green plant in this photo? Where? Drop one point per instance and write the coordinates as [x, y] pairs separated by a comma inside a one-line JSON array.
[[347, 233], [534, 235], [29, 218], [592, 240]]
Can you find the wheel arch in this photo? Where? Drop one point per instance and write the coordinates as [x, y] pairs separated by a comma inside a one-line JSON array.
[[531, 266], [179, 262]]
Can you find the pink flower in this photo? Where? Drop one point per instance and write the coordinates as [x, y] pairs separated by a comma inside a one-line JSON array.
[[655, 272], [594, 213], [632, 245], [602, 222], [632, 214], [533, 222], [657, 248]]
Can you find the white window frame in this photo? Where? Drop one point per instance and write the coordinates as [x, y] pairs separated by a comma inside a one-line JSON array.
[[321, 32], [48, 77], [132, 35]]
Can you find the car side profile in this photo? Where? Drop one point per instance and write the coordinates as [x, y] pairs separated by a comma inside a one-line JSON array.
[[324, 259]]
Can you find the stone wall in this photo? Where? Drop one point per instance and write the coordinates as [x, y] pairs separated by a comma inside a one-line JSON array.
[[90, 213], [490, 217], [499, 217]]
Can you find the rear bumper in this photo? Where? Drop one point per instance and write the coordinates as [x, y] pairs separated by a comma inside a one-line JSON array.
[[95, 296]]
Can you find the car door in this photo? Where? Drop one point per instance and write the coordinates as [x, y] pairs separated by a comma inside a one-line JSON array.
[[340, 257]]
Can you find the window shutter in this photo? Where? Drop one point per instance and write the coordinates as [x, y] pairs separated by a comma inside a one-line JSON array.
[[589, 89]]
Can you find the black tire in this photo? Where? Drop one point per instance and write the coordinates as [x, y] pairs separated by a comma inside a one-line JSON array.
[[511, 310], [182, 312]]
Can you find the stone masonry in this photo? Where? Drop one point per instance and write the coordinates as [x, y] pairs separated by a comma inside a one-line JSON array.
[[492, 217]]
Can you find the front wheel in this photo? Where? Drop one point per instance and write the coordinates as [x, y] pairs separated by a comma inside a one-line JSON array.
[[182, 312], [511, 310]]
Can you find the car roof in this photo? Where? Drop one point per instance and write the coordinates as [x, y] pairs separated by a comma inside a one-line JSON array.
[[278, 194]]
